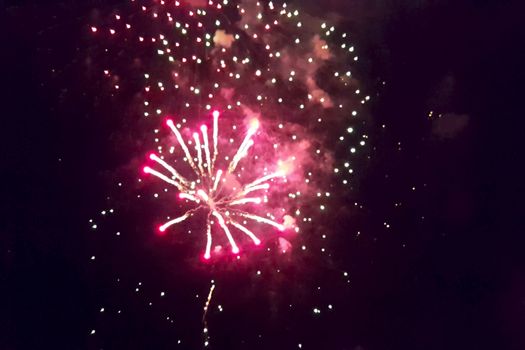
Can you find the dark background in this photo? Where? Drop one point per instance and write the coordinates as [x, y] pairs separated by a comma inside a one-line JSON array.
[[448, 275]]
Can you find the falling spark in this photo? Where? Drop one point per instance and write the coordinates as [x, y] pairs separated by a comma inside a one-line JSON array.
[[205, 330], [208, 300]]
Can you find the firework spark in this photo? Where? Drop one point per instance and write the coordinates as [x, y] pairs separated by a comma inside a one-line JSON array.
[[207, 192]]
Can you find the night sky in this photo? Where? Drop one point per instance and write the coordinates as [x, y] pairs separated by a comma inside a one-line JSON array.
[[430, 257]]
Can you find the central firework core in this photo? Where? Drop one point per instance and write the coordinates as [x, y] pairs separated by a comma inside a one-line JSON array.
[[227, 206], [209, 200]]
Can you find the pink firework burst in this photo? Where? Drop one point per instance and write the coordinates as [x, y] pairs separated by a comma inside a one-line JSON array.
[[226, 206]]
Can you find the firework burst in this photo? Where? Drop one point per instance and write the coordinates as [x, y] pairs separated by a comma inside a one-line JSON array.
[[289, 76], [229, 207]]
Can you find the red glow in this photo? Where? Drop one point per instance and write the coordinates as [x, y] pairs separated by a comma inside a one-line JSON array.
[[235, 250], [146, 169], [162, 229], [169, 122], [152, 156], [207, 256], [215, 114], [204, 128]]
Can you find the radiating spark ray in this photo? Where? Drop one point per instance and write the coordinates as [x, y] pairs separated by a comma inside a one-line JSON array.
[[204, 196], [208, 239], [217, 179], [246, 148], [215, 137], [263, 220], [226, 230], [243, 151], [199, 152], [173, 128], [246, 143], [184, 195], [264, 178], [255, 200], [256, 240], [253, 188], [168, 167], [240, 153], [164, 226], [163, 177], [204, 131]]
